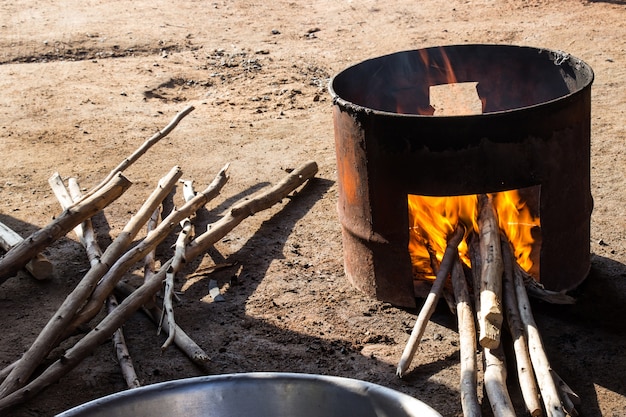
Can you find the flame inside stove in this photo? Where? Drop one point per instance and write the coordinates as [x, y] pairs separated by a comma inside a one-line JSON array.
[[432, 219]]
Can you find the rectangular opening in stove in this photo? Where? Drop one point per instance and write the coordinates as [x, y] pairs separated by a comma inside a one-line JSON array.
[[432, 219]]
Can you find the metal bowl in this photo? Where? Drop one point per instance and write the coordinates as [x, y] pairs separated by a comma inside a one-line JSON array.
[[258, 395]]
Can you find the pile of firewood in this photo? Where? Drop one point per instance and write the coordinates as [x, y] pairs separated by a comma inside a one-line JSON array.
[[108, 267], [500, 298]]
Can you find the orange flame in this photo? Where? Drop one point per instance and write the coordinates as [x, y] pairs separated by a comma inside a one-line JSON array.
[[432, 219]]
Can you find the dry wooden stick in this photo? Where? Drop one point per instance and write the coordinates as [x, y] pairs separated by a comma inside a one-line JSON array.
[[19, 255], [6, 370], [495, 382], [149, 262], [57, 327], [145, 146], [177, 262], [248, 207], [431, 300], [541, 365], [111, 322], [121, 351], [85, 231], [568, 397], [467, 341], [150, 259], [60, 191], [39, 266], [181, 339], [525, 374], [134, 255], [490, 320], [434, 265], [473, 243]]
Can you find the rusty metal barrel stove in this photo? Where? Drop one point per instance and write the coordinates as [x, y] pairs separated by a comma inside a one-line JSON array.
[[534, 131]]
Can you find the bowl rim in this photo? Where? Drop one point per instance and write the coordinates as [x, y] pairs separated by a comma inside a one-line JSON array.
[[406, 401]]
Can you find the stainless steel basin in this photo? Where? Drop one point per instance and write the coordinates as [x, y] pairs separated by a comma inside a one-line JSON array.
[[257, 395]]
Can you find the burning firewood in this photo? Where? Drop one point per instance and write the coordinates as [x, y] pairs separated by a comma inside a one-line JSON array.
[[39, 266], [431, 301], [490, 320], [500, 288]]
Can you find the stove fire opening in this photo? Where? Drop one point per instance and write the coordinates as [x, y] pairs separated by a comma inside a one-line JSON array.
[[433, 219]]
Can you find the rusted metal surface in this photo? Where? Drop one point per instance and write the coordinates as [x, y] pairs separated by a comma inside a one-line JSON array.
[[534, 131]]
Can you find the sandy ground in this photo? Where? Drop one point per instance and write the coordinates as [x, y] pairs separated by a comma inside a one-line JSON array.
[[83, 83]]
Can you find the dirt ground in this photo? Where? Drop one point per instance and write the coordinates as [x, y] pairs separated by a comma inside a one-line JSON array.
[[83, 83]]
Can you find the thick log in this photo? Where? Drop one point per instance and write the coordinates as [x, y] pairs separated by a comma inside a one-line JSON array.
[[431, 300], [19, 255], [525, 374], [491, 317], [143, 294], [467, 342], [39, 266]]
